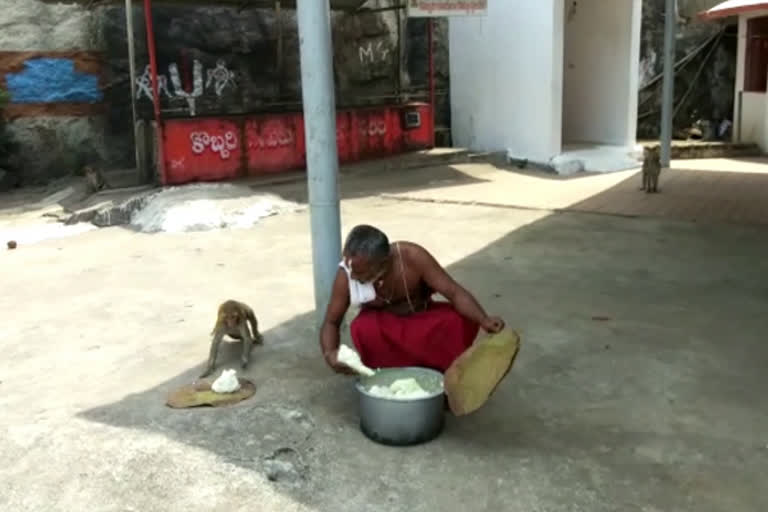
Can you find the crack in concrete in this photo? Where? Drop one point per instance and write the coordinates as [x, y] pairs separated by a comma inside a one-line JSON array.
[[499, 205]]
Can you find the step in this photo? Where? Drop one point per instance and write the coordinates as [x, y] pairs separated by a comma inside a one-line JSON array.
[[693, 149]]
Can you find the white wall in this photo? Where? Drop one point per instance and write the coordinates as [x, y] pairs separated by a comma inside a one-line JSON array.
[[506, 78], [601, 68], [750, 115], [753, 119]]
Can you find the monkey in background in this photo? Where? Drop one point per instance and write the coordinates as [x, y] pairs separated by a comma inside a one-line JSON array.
[[236, 320], [651, 169], [94, 178]]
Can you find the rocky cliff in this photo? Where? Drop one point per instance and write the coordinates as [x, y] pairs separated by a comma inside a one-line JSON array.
[[221, 60], [55, 135], [211, 61], [706, 57]]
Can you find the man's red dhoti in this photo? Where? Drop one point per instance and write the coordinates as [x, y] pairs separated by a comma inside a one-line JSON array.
[[433, 338]]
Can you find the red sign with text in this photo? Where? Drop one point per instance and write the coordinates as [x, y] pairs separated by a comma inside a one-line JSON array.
[[226, 148]]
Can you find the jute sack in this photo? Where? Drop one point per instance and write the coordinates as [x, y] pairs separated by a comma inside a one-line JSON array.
[[475, 375]]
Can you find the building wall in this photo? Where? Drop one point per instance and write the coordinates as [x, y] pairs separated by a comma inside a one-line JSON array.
[[749, 117], [752, 125], [506, 78], [601, 71], [216, 61]]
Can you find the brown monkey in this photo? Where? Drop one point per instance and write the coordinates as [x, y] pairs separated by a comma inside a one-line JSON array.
[[95, 178], [233, 320], [651, 169]]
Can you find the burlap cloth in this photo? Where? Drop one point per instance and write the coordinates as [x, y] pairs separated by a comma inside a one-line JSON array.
[[200, 394], [475, 375]]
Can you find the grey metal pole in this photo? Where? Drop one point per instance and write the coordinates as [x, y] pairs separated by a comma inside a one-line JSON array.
[[317, 88], [668, 88], [140, 164]]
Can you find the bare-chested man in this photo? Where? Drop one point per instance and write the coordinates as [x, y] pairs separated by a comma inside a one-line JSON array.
[[399, 323]]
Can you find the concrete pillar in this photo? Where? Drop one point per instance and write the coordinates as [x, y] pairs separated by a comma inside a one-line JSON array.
[[668, 90], [318, 94], [141, 166]]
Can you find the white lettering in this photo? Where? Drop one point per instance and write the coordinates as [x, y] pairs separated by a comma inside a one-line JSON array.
[[373, 128], [223, 145]]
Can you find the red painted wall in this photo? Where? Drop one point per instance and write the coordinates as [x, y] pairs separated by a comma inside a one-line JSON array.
[[203, 149], [274, 144], [225, 148]]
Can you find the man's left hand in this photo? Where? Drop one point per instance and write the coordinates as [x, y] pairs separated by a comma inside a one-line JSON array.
[[492, 324]]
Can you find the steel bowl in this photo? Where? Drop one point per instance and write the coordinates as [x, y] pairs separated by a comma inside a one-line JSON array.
[[402, 422]]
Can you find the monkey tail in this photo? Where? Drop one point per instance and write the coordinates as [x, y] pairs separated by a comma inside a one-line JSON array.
[[254, 325]]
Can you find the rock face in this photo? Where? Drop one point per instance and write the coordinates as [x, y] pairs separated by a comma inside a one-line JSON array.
[[221, 60], [706, 81], [51, 146], [30, 25], [213, 61]]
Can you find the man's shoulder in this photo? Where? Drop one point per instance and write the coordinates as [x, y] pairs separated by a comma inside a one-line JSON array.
[[415, 253], [410, 248]]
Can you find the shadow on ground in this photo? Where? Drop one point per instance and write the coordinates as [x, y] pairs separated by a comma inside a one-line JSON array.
[[545, 174], [688, 194], [374, 182], [639, 385]]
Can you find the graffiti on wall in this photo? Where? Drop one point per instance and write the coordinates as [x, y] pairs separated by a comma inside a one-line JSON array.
[[278, 137], [223, 144], [197, 85], [374, 52], [219, 78], [214, 149], [271, 135], [53, 80], [144, 85], [373, 127]]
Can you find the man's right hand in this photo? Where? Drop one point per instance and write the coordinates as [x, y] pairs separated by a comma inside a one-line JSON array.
[[492, 324], [334, 316], [331, 358]]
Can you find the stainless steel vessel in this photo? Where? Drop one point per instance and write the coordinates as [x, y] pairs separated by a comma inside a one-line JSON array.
[[401, 422]]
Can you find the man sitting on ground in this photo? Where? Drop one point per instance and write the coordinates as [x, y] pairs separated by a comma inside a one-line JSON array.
[[399, 323]]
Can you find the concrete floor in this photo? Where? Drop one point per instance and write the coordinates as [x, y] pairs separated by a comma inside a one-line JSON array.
[[640, 386], [708, 190]]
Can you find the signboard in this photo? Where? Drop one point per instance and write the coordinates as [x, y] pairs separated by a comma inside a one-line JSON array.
[[440, 8]]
